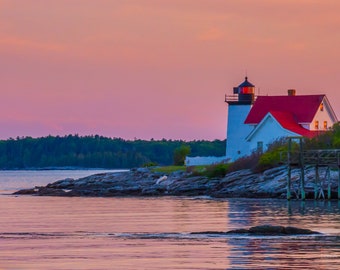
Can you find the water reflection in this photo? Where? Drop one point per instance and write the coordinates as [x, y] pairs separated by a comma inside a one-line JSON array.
[[273, 253], [80, 233], [306, 214], [316, 252]]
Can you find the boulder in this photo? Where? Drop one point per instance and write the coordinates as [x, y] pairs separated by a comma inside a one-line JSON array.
[[272, 230], [262, 230]]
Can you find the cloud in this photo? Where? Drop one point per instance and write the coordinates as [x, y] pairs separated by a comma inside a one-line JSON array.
[[26, 44], [211, 34]]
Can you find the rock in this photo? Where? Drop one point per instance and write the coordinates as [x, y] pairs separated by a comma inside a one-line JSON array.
[[144, 182], [209, 232], [45, 191], [160, 179], [143, 170], [238, 231], [267, 229], [272, 230], [274, 172], [67, 183], [263, 230], [294, 230], [30, 191]]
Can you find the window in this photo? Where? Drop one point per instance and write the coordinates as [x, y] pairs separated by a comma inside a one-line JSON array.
[[260, 147], [316, 124], [321, 107], [325, 125]]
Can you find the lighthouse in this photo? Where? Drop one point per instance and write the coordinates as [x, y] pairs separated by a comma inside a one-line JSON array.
[[239, 105]]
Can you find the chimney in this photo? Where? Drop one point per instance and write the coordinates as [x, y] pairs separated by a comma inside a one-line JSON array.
[[291, 92]]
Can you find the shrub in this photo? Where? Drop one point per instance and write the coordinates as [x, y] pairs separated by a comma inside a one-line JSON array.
[[196, 170], [216, 170], [150, 164], [210, 171], [272, 157], [258, 162], [269, 160], [180, 153], [248, 162]]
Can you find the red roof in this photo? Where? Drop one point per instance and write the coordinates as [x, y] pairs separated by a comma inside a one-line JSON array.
[[288, 121], [301, 108]]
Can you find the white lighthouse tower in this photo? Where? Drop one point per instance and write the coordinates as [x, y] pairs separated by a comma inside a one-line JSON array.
[[239, 106]]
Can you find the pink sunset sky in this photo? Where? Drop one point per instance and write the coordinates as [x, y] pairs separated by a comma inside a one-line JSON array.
[[157, 68]]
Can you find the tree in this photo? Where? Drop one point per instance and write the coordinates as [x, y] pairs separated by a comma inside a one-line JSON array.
[[97, 151], [180, 153]]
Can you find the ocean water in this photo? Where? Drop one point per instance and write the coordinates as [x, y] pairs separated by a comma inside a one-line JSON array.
[[155, 233]]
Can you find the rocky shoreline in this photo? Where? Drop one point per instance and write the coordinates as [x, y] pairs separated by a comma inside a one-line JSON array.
[[145, 182]]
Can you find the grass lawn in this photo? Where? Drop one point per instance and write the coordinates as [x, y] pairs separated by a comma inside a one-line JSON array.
[[210, 171], [169, 169]]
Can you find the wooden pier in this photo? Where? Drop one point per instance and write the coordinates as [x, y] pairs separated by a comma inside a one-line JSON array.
[[300, 158]]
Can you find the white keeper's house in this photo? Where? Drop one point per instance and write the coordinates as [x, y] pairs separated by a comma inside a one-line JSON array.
[[256, 121]]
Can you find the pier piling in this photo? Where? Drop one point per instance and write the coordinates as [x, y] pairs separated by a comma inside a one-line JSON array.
[[316, 158]]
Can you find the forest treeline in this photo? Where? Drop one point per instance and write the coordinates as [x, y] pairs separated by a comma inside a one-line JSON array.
[[97, 151]]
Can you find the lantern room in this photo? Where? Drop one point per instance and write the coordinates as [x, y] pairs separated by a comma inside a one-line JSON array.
[[245, 91]]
